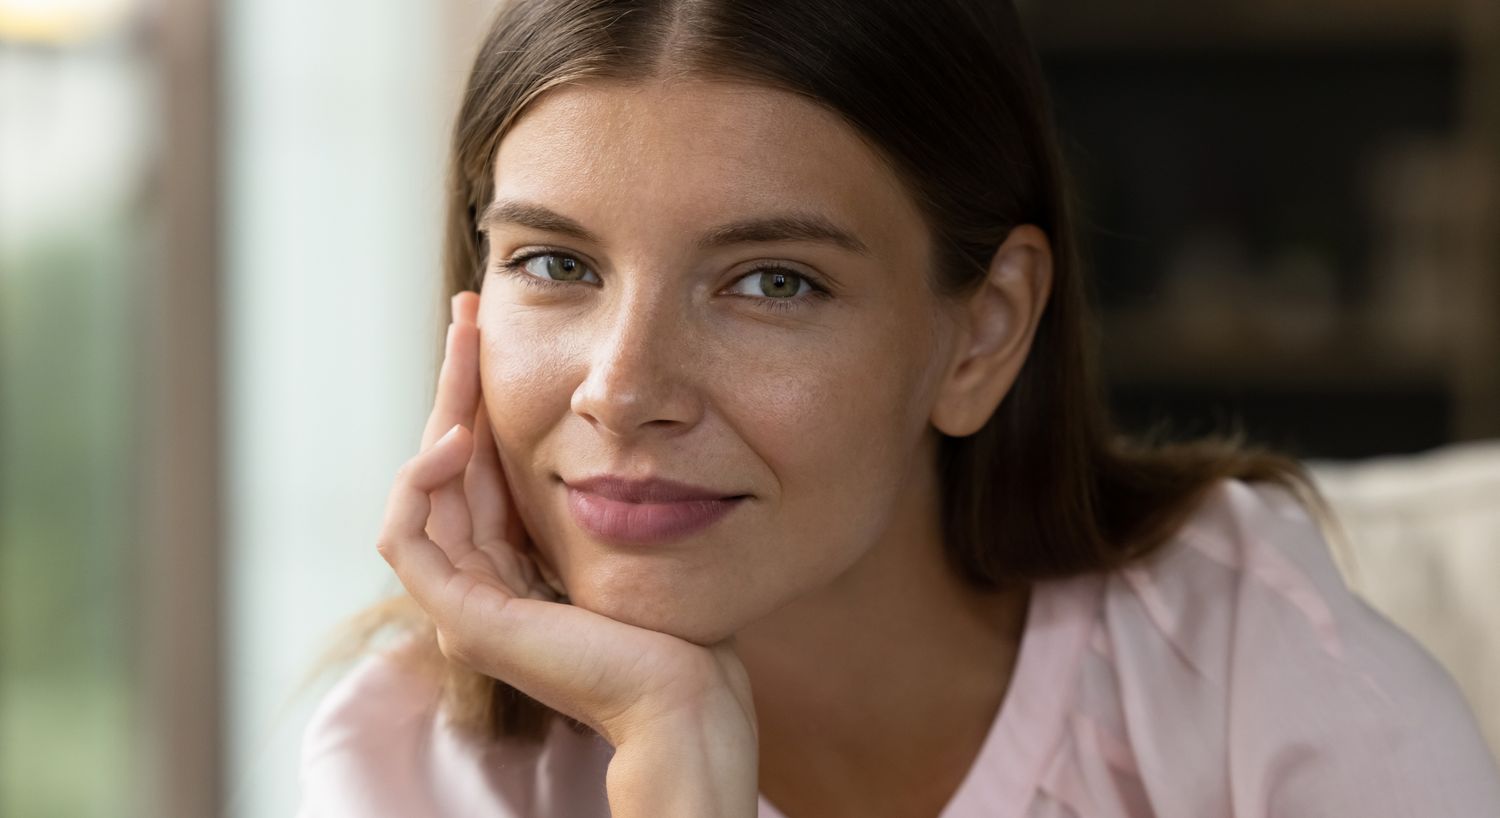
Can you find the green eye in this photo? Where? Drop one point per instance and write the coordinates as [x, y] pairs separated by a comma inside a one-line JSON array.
[[774, 283], [778, 284], [778, 288], [552, 267]]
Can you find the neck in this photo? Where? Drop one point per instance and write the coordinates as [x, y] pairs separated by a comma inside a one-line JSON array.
[[893, 673]]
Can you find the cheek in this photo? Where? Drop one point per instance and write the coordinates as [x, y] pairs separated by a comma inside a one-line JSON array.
[[835, 417], [521, 365], [838, 429], [524, 390], [517, 390]]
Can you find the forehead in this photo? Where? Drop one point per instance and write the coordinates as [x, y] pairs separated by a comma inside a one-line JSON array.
[[692, 152]]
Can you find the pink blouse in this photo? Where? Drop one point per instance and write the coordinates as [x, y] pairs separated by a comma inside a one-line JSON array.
[[1230, 674]]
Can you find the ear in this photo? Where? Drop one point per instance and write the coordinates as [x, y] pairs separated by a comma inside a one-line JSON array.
[[997, 324]]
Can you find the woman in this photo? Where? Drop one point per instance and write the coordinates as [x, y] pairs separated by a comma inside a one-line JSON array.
[[767, 472]]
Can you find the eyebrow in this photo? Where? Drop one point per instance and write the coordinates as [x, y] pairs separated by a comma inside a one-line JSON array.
[[778, 227]]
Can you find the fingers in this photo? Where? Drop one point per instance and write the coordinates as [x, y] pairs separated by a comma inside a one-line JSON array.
[[457, 394], [458, 381], [458, 378], [510, 566], [421, 564], [526, 645], [497, 529], [484, 484]]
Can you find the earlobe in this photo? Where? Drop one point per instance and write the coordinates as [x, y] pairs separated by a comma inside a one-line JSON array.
[[1000, 318]]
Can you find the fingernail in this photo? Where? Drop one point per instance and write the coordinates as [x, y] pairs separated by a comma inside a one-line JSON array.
[[448, 434], [453, 306]]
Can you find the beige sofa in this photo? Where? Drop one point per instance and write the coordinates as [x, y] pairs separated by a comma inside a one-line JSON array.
[[1423, 547]]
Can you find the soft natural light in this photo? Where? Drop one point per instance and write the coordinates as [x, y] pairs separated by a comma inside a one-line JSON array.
[[58, 21]]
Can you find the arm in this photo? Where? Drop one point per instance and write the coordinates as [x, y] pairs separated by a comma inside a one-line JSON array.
[[701, 765]]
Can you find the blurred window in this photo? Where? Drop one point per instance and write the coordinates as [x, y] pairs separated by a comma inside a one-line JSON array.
[[75, 136]]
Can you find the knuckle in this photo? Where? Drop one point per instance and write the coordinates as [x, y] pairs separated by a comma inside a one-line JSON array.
[[385, 546], [404, 471], [452, 647]]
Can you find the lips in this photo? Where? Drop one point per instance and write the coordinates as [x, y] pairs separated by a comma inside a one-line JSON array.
[[646, 512], [651, 490]]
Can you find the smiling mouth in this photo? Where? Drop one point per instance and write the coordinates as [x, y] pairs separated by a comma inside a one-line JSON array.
[[649, 489], [647, 523]]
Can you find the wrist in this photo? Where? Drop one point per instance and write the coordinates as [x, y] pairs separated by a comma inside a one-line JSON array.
[[698, 763]]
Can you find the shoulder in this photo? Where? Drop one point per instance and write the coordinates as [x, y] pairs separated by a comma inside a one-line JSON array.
[[381, 694], [363, 746], [378, 744], [1245, 624], [1253, 561], [1250, 557]]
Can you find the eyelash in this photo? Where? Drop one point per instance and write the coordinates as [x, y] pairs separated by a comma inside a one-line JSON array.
[[512, 267]]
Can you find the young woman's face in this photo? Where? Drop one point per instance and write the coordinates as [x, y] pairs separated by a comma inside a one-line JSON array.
[[658, 351]]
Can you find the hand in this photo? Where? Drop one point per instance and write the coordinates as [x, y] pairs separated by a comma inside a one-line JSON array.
[[452, 538]]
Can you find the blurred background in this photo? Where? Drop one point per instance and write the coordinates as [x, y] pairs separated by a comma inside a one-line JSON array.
[[220, 313]]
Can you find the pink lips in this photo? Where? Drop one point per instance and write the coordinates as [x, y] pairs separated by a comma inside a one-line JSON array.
[[645, 512]]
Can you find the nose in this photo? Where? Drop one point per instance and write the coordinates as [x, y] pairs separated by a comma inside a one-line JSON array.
[[641, 370]]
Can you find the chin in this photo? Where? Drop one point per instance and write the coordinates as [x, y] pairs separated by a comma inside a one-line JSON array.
[[656, 609]]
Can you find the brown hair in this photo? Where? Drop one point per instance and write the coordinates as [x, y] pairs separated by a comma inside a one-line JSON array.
[[950, 94]]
